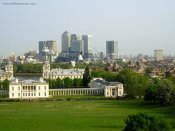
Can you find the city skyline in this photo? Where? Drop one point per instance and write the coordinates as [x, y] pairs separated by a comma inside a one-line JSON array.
[[139, 26]]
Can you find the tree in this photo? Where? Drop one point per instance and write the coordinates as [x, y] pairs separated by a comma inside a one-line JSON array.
[[58, 82], [151, 93], [165, 91], [1, 85], [67, 82], [86, 77], [5, 84], [76, 82], [134, 84], [144, 122]]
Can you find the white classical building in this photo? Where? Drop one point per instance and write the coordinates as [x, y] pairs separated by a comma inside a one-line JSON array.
[[97, 87], [28, 89], [111, 89], [8, 73], [61, 73]]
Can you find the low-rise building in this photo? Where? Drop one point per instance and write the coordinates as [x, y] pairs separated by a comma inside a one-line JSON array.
[[8, 73], [61, 73], [28, 89], [111, 89]]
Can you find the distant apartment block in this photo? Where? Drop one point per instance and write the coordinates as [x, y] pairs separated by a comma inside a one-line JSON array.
[[112, 49], [158, 55]]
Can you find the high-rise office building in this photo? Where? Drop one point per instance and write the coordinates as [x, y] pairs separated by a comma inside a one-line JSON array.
[[158, 54], [48, 50], [101, 56], [76, 37], [112, 49], [77, 46], [42, 44], [52, 46], [66, 41], [87, 44]]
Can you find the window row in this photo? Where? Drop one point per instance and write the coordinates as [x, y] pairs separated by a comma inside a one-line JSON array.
[[29, 88], [29, 94]]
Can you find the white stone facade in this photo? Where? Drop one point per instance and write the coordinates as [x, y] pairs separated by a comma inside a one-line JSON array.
[[111, 89], [8, 73], [28, 89], [61, 73]]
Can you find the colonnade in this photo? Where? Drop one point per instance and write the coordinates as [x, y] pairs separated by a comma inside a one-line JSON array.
[[4, 93], [76, 91]]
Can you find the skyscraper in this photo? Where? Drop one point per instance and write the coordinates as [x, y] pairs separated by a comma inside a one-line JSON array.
[[112, 49], [77, 46], [48, 50], [42, 44], [158, 54], [66, 41], [87, 44], [52, 46]]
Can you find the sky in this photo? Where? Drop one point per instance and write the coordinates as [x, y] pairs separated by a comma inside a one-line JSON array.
[[139, 26]]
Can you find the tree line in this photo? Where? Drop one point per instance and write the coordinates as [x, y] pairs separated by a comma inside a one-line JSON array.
[[140, 85], [71, 83], [37, 68], [64, 83]]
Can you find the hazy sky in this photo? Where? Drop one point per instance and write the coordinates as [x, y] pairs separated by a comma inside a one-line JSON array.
[[140, 26]]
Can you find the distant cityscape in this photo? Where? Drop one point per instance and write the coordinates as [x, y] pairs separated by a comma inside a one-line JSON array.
[[77, 47]]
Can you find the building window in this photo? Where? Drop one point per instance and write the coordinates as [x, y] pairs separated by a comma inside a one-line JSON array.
[[18, 88], [44, 87], [38, 87], [107, 93], [18, 94], [13, 88], [113, 92], [39, 94], [12, 94], [34, 87], [23, 94], [34, 94], [120, 93], [45, 93], [28, 94]]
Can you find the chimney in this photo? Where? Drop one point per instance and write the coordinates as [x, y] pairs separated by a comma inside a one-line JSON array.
[[41, 79], [16, 80]]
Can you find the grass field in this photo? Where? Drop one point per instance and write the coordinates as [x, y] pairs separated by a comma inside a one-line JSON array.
[[84, 115]]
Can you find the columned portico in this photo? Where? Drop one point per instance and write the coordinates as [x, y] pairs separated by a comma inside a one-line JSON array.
[[76, 91]]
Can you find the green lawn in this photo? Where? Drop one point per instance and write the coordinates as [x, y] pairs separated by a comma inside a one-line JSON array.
[[87, 115]]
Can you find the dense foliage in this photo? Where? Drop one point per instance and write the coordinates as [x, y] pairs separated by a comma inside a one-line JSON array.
[[65, 83], [144, 122], [27, 68], [68, 65], [86, 77], [162, 91], [4, 84], [134, 84], [108, 76]]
